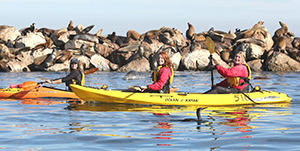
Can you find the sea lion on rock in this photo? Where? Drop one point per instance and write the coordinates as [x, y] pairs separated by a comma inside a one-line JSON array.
[[190, 32], [66, 55], [28, 30], [115, 39], [215, 36], [133, 34], [296, 42], [87, 29], [58, 43], [70, 26], [280, 46], [48, 61], [281, 31], [45, 45]]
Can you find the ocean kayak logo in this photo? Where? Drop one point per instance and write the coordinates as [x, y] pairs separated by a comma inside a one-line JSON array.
[[268, 98]]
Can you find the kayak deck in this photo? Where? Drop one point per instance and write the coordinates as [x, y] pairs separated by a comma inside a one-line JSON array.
[[178, 98], [38, 92]]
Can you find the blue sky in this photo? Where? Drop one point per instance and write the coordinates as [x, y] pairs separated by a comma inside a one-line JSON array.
[[141, 16]]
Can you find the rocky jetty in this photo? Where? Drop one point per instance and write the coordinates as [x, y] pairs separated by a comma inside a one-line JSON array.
[[44, 49]]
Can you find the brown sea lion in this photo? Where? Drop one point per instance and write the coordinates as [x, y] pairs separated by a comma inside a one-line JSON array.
[[215, 36], [190, 32], [249, 40], [70, 26], [200, 37], [280, 46], [281, 31], [99, 33], [133, 34], [45, 45], [66, 55], [296, 42]]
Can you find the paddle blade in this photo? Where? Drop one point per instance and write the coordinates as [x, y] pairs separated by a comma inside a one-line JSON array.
[[91, 71], [210, 45], [29, 85]]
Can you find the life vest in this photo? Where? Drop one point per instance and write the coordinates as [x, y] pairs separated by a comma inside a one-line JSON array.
[[235, 81], [166, 87], [78, 80], [155, 76]]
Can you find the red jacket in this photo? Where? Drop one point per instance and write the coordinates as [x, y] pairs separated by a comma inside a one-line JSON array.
[[236, 71], [164, 74]]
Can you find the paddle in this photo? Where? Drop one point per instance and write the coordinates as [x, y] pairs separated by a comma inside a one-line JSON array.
[[210, 46], [248, 97], [137, 88], [29, 85]]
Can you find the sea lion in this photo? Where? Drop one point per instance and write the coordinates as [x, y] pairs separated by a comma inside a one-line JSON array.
[[296, 42], [48, 61], [87, 29], [225, 56], [134, 46], [281, 31], [86, 37], [133, 34], [58, 43], [9, 44], [215, 36], [46, 31], [115, 39], [200, 37], [66, 56], [70, 26], [138, 55], [29, 29], [132, 75], [5, 54], [45, 45], [249, 40], [99, 33], [280, 46]]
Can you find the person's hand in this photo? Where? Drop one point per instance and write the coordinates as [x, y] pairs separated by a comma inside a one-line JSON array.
[[143, 88], [49, 81]]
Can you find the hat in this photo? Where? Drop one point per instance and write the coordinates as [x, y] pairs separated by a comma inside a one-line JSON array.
[[74, 60]]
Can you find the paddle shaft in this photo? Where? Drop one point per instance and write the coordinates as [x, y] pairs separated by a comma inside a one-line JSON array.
[[212, 73], [248, 97]]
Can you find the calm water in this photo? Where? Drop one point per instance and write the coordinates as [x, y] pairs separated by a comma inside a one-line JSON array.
[[66, 125]]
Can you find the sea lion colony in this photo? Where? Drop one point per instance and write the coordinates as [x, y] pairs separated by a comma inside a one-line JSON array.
[[45, 49]]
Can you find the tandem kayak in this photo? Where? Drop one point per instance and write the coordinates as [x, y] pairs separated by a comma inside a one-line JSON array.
[[178, 98], [36, 92]]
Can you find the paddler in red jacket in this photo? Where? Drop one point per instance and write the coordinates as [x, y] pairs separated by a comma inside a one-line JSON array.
[[162, 76], [237, 77]]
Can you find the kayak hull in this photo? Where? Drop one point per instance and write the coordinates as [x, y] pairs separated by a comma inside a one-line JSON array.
[[38, 92], [178, 98]]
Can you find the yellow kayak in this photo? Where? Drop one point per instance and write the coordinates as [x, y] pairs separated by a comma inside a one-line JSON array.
[[178, 98]]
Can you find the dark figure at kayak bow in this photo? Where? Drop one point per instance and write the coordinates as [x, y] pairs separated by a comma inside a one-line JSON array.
[[237, 77], [162, 76], [75, 77]]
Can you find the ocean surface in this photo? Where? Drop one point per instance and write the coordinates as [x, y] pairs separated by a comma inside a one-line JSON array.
[[60, 124]]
